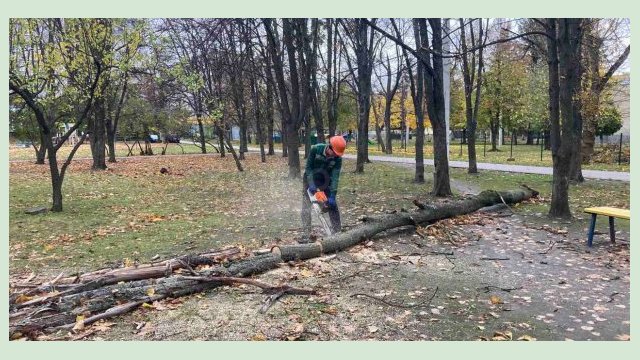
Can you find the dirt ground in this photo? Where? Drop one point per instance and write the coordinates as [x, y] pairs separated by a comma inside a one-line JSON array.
[[491, 276]]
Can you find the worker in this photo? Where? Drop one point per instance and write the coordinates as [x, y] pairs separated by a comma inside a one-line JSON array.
[[321, 175]]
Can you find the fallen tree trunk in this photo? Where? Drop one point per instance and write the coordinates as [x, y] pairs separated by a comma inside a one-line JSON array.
[[105, 294]]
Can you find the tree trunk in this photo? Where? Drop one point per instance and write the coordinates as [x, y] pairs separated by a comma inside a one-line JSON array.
[[271, 150], [242, 123], [41, 152], [547, 140], [435, 107], [221, 144], [97, 128], [112, 123], [575, 59], [421, 82], [363, 52], [297, 99], [575, 170], [203, 144], [390, 91], [388, 148], [494, 127], [236, 158], [293, 157], [530, 135], [332, 81], [376, 116], [314, 88], [403, 114], [564, 135], [269, 106], [100, 295], [307, 138], [111, 141], [56, 179]]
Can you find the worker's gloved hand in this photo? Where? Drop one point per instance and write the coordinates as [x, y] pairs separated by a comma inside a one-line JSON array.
[[331, 203], [313, 188], [321, 196]]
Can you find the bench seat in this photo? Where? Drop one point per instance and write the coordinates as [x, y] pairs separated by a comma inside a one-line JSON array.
[[612, 213]]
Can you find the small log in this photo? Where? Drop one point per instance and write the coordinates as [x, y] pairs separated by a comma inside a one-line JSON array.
[[298, 252], [36, 210], [131, 273]]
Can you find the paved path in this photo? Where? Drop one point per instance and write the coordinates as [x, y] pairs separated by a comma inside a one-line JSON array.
[[588, 174]]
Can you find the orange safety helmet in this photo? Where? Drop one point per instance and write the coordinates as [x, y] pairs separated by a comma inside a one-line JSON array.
[[338, 144]]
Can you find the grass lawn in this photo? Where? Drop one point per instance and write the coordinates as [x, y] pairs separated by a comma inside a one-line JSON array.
[[21, 153], [133, 212], [522, 154]]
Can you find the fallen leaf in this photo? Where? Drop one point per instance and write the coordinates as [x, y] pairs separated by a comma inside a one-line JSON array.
[[526, 338], [79, 323], [258, 337], [496, 300], [372, 329], [306, 273], [103, 326], [348, 329], [151, 291], [507, 335], [298, 328], [331, 310], [23, 298]]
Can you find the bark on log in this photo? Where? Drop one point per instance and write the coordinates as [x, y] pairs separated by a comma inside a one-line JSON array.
[[99, 295], [104, 277]]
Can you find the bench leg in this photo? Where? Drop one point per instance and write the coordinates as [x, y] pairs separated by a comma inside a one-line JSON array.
[[592, 228], [612, 229]]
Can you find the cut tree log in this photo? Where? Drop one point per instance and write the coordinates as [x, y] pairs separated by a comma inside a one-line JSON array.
[[107, 293]]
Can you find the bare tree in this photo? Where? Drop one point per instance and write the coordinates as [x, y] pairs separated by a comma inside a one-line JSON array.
[[431, 58], [362, 41], [472, 68], [333, 83], [292, 115], [389, 89], [417, 83]]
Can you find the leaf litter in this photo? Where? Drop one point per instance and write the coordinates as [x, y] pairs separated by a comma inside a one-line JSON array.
[[396, 267]]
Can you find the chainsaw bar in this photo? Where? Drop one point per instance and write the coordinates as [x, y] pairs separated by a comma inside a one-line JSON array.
[[318, 210]]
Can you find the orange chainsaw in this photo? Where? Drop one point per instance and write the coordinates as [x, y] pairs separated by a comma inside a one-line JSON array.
[[320, 207]]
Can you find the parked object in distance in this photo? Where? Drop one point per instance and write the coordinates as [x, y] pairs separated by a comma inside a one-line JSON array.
[[171, 138], [153, 138]]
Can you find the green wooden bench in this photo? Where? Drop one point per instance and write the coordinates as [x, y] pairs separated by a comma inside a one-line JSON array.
[[612, 213]]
